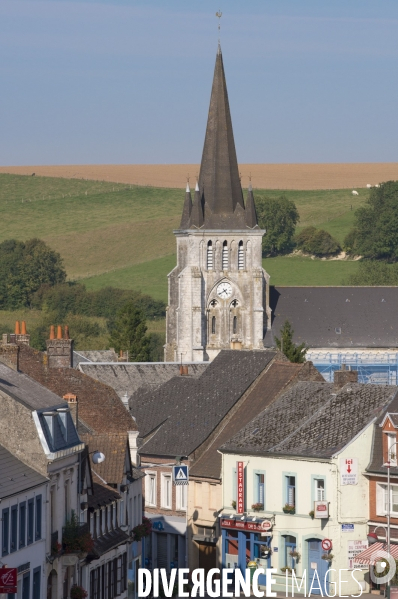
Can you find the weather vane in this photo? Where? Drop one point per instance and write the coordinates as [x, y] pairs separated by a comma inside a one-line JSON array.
[[219, 15]]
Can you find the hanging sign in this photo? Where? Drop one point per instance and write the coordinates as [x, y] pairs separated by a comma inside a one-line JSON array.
[[321, 509], [349, 471], [266, 525], [326, 544], [240, 485], [8, 580]]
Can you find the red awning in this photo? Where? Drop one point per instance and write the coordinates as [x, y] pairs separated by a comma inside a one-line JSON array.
[[366, 557]]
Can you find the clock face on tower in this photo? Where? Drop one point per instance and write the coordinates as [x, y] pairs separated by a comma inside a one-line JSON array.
[[224, 290]]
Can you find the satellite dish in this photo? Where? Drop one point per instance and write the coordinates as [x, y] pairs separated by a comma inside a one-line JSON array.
[[98, 457]]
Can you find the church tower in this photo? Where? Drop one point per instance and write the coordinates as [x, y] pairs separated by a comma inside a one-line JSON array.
[[218, 292]]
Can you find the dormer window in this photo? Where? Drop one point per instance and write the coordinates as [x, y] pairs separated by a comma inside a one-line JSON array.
[[392, 448], [63, 422], [49, 420]]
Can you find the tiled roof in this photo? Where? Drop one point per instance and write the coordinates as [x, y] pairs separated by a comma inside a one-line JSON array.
[[99, 406], [27, 391], [102, 494], [129, 377], [312, 420], [105, 355], [108, 541], [115, 448], [190, 408], [335, 316], [276, 378], [15, 476]]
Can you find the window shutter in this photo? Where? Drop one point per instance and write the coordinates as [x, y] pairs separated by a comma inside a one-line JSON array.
[[380, 499]]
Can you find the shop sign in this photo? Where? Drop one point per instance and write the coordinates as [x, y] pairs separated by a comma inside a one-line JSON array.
[[240, 473], [241, 525], [157, 525], [354, 548], [266, 525], [349, 471], [8, 580], [321, 509]]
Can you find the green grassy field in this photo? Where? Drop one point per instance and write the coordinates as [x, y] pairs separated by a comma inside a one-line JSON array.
[[122, 235]]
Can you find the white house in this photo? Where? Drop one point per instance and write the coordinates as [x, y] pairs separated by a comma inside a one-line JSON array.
[[312, 445]]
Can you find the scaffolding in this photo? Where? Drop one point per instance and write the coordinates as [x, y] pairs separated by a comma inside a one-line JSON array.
[[378, 368]]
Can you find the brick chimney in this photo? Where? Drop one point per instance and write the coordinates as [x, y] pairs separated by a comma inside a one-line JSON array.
[[21, 335], [344, 376], [122, 356], [9, 355], [59, 350], [73, 405]]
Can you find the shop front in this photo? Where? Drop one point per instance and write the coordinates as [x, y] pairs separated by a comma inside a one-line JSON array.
[[166, 546], [246, 539]]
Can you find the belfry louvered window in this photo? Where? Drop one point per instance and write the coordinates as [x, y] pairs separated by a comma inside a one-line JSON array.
[[213, 325], [209, 256], [241, 256], [225, 256]]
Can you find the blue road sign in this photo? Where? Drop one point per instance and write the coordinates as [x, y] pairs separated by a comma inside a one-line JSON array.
[[180, 474]]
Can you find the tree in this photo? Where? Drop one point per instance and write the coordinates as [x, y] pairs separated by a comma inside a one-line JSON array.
[[376, 224], [24, 267], [293, 352], [317, 241], [128, 333], [278, 216]]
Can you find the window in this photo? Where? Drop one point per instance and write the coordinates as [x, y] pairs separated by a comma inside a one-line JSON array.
[[22, 524], [121, 510], [209, 256], [392, 448], [225, 256], [241, 256], [235, 325], [52, 509], [5, 531], [48, 418], [63, 423], [150, 495], [259, 488], [166, 491], [181, 497], [291, 490], [38, 518], [95, 525], [31, 520], [66, 501], [319, 489], [198, 494], [119, 576], [36, 583], [26, 586], [14, 528], [290, 546], [393, 499], [124, 572], [213, 325]]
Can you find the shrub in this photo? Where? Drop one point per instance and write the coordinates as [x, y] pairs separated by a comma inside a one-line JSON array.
[[77, 592], [317, 241]]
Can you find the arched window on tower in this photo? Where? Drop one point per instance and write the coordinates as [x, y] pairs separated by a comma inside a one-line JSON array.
[[241, 256], [235, 325], [213, 325], [210, 256], [225, 256]]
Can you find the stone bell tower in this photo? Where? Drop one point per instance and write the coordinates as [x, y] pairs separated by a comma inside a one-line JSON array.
[[218, 292]]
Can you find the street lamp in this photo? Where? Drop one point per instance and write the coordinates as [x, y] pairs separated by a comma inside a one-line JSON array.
[[98, 456], [372, 536]]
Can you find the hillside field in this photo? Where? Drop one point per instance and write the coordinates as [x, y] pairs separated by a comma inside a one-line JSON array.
[[122, 235]]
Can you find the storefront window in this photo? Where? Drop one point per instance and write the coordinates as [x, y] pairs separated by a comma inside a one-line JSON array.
[[290, 546], [231, 549], [174, 551]]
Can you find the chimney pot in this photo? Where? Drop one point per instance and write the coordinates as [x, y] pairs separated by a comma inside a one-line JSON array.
[[52, 332], [66, 332], [17, 328], [73, 406], [59, 332], [183, 370], [23, 328]]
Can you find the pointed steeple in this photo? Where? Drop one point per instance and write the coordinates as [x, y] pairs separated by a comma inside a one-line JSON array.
[[250, 208], [219, 175], [197, 209], [186, 212]]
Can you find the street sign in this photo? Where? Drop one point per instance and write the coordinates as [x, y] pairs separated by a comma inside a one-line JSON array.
[[349, 471], [326, 544], [8, 580], [180, 474], [347, 528], [354, 549]]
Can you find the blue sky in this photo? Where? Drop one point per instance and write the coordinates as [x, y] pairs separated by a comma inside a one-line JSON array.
[[117, 81]]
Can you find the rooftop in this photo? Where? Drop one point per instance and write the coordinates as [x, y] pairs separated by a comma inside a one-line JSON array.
[[16, 477]]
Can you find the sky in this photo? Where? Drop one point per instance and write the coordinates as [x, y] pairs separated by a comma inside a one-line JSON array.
[[129, 81]]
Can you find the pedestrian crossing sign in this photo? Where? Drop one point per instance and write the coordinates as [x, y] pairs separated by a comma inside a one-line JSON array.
[[180, 474]]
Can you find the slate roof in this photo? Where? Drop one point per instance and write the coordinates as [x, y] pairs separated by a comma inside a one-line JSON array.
[[105, 355], [102, 494], [27, 391], [312, 420], [276, 377], [127, 377], [365, 316], [15, 476], [376, 460], [114, 446], [189, 409], [108, 541]]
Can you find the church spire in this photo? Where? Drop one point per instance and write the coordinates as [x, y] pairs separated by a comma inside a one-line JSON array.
[[250, 208], [219, 176]]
